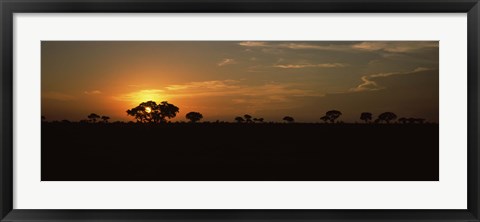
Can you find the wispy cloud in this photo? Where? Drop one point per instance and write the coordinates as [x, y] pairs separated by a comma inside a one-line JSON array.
[[386, 46], [58, 96], [366, 85], [395, 47], [226, 61], [292, 45], [205, 85], [237, 88], [276, 91], [93, 92], [312, 46], [300, 66], [369, 84], [253, 44]]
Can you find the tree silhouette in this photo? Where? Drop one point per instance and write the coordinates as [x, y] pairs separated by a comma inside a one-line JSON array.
[[93, 117], [387, 117], [167, 110], [43, 118], [332, 115], [144, 112], [151, 112], [324, 118], [248, 118], [366, 116], [239, 119], [288, 119], [194, 116], [403, 120], [105, 119]]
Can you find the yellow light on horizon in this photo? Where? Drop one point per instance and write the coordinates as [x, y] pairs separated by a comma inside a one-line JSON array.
[[144, 97], [148, 109], [137, 97]]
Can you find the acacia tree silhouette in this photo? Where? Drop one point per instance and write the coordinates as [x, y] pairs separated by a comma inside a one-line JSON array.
[[366, 116], [144, 112], [288, 119], [387, 117], [239, 119], [151, 112], [248, 118], [194, 116], [93, 117], [105, 119], [332, 115], [167, 110]]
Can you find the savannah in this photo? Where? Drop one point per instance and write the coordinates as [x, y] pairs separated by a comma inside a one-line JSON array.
[[152, 148]]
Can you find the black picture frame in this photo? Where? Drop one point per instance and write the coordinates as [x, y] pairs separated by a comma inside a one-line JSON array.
[[9, 7]]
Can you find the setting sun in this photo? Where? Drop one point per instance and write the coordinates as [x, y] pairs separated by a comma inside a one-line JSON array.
[[148, 109]]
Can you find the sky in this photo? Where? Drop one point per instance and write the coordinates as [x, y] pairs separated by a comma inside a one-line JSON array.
[[225, 79]]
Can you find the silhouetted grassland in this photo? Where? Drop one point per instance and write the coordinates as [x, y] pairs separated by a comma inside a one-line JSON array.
[[231, 151]]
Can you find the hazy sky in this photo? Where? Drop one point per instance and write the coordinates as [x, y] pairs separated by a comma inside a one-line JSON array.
[[224, 79]]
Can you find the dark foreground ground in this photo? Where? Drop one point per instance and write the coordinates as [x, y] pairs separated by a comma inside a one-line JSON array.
[[242, 152]]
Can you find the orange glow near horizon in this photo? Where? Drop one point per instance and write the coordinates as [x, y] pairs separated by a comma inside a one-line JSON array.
[[224, 79]]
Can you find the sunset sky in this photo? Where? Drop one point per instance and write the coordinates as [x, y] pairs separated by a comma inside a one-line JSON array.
[[225, 79]]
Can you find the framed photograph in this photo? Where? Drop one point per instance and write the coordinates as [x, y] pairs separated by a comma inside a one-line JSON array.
[[239, 110]]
